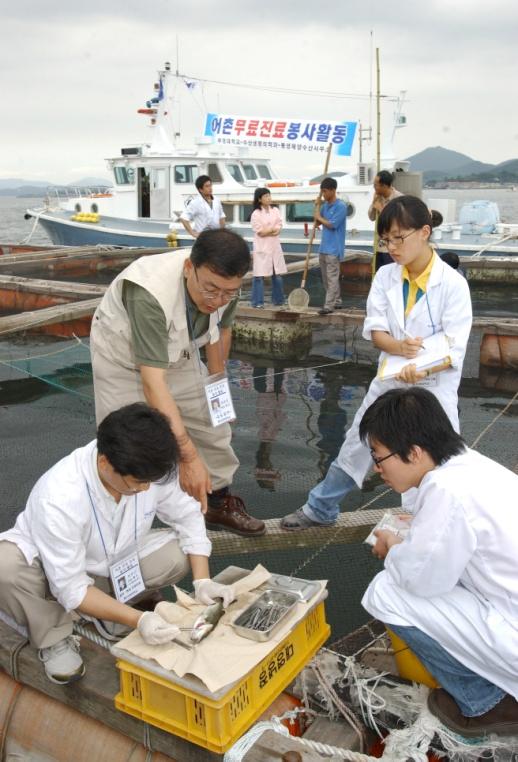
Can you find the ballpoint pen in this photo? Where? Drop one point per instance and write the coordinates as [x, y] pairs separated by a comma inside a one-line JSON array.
[[409, 335]]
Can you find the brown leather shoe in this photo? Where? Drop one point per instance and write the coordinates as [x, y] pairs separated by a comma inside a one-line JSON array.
[[228, 512], [502, 719]]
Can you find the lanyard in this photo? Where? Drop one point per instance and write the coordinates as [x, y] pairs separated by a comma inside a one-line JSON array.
[[99, 526]]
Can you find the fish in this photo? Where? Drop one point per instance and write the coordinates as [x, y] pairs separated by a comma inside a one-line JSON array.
[[206, 622]]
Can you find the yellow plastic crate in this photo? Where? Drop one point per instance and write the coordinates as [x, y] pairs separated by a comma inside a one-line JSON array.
[[216, 723]]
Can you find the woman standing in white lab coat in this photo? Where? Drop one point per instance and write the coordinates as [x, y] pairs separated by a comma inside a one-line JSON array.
[[417, 296]]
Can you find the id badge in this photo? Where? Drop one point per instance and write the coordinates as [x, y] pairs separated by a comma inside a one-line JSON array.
[[219, 399], [126, 577], [429, 381]]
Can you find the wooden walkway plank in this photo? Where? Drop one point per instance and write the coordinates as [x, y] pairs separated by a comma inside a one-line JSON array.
[[350, 528]]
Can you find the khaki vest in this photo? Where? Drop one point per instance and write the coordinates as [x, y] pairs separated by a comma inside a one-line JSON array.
[[161, 275]]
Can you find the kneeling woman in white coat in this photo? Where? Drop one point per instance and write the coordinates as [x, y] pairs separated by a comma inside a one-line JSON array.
[[417, 296], [450, 588]]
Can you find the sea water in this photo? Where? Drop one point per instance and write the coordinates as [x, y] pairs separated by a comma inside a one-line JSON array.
[[292, 410]]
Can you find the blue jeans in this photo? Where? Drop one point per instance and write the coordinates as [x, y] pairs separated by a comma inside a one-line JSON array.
[[473, 694], [257, 296], [324, 500]]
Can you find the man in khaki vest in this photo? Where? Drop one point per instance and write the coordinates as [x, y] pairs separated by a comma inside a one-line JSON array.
[[145, 344]]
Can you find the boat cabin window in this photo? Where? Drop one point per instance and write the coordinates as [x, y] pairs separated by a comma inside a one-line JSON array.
[[124, 175], [185, 173], [228, 210], [351, 209], [249, 171], [214, 173], [264, 171], [245, 212], [235, 172], [301, 211]]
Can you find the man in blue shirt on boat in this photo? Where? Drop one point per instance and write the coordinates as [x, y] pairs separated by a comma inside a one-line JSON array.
[[331, 218]]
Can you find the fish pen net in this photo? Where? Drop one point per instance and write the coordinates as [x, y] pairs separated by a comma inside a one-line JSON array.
[[291, 416]]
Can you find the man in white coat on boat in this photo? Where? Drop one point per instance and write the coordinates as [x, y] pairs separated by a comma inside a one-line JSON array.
[[87, 521], [450, 588]]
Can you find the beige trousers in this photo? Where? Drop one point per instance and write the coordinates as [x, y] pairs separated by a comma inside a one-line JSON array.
[[25, 595], [115, 386], [330, 269]]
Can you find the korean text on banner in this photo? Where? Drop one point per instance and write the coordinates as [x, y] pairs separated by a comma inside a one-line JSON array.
[[300, 135]]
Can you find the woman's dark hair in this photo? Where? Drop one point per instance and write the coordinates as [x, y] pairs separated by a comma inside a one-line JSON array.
[[403, 418], [201, 180], [451, 259], [222, 251], [407, 212], [258, 194], [137, 441], [437, 218], [385, 177]]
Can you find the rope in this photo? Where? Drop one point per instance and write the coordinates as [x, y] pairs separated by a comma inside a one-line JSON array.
[[492, 423], [344, 710], [28, 238], [238, 751], [86, 632]]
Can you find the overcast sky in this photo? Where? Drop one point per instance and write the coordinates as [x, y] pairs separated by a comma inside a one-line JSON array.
[[74, 74]]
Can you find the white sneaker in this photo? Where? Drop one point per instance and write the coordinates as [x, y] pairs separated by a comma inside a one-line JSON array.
[[62, 661]]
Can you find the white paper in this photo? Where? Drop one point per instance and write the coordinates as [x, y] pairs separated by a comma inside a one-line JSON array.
[[436, 351], [400, 527]]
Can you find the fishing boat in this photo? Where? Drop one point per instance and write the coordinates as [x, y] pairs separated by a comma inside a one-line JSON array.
[[153, 182]]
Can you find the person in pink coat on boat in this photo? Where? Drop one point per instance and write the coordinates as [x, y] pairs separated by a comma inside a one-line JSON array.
[[268, 259]]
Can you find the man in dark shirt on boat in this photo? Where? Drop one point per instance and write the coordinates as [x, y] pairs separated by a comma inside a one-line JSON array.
[[383, 193], [331, 217], [145, 344]]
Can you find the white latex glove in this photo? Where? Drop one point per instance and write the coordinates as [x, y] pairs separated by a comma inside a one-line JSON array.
[[155, 630], [206, 590]]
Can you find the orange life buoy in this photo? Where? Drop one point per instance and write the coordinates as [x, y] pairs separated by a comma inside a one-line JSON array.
[[101, 195], [146, 111]]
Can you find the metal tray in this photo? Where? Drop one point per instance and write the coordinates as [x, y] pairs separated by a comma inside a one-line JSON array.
[[264, 604], [305, 589]]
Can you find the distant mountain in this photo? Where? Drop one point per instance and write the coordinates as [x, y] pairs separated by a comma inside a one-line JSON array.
[[11, 186], [439, 164], [86, 181], [13, 183]]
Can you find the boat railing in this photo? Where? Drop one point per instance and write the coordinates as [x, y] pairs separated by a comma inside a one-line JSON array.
[[58, 194]]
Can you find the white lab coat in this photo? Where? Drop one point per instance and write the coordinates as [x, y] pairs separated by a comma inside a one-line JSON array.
[[455, 576], [446, 306], [59, 526], [201, 215]]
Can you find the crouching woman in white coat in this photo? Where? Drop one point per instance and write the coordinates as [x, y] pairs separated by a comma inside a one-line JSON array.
[[88, 520], [450, 588], [417, 296]]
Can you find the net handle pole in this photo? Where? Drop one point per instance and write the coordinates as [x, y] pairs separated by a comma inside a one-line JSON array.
[[314, 230]]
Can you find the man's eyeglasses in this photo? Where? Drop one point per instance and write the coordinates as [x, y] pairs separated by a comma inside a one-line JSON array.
[[396, 240], [378, 461], [214, 293]]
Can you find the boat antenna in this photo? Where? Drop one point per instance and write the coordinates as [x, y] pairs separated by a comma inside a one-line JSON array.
[[177, 57]]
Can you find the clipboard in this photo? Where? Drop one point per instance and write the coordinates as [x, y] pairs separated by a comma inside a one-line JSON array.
[[435, 355]]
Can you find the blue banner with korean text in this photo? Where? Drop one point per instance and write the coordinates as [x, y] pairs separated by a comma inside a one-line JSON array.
[[290, 134]]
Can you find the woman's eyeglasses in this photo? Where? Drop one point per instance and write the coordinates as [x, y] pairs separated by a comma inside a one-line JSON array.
[[396, 240]]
